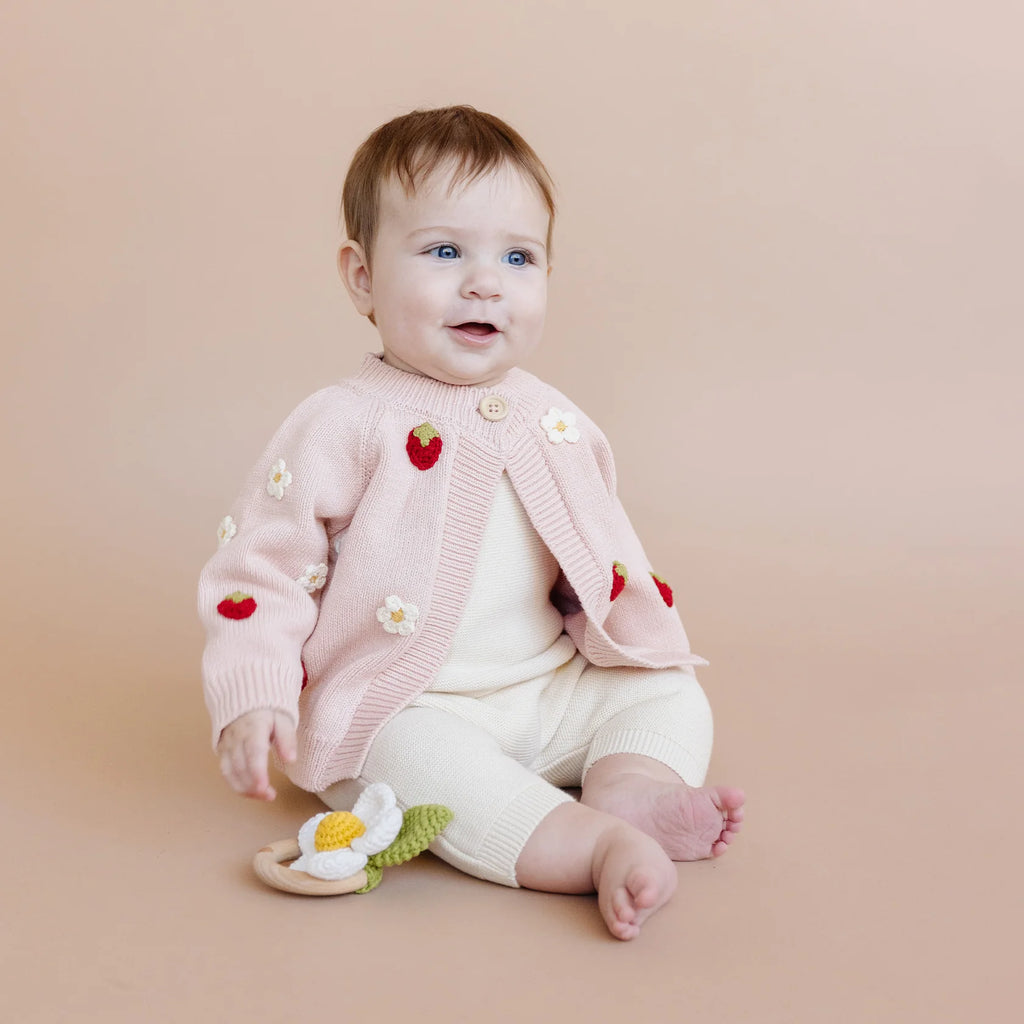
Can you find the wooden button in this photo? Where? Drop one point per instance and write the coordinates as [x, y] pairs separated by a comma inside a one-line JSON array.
[[494, 408]]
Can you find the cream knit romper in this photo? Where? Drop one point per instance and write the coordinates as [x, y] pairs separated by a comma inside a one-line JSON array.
[[516, 712]]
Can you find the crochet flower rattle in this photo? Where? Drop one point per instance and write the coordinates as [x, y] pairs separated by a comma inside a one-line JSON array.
[[347, 851]]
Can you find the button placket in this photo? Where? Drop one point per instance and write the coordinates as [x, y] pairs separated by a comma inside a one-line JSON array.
[[493, 408]]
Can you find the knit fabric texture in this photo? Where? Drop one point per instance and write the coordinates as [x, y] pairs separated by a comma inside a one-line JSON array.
[[337, 487]]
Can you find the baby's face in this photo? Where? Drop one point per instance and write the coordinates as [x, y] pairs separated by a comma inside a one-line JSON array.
[[459, 283]]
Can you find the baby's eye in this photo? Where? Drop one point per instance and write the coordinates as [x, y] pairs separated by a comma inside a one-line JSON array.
[[519, 257], [445, 251]]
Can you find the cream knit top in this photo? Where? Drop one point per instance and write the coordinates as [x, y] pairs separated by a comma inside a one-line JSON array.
[[509, 631]]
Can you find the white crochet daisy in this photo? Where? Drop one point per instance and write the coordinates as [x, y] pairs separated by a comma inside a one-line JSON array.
[[314, 577], [337, 844], [278, 479], [560, 426], [398, 617], [226, 531]]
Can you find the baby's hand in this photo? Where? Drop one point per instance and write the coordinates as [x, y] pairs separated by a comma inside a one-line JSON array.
[[243, 748]]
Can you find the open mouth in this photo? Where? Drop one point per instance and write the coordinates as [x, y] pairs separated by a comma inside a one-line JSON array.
[[476, 328], [475, 332]]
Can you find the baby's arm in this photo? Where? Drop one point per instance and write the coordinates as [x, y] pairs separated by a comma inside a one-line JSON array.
[[259, 595], [243, 748]]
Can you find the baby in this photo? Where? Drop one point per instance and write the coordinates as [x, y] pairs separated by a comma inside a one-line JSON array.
[[429, 581]]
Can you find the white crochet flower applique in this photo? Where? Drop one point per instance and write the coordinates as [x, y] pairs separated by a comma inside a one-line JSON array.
[[337, 844], [278, 479], [313, 578], [560, 426], [398, 617], [226, 531]]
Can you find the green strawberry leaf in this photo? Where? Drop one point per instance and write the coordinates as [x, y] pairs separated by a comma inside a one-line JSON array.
[[420, 826], [373, 877]]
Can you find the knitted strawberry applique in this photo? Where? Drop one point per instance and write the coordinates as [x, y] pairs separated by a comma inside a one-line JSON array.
[[424, 446], [237, 606], [620, 576], [664, 589]]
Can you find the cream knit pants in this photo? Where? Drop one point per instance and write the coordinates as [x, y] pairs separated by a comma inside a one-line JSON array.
[[497, 759], [516, 712]]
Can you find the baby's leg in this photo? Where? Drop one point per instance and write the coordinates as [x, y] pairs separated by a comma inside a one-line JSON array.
[[429, 756], [689, 822], [509, 825], [580, 849], [648, 760]]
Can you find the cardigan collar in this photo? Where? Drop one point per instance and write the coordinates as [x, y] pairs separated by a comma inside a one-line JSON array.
[[454, 401]]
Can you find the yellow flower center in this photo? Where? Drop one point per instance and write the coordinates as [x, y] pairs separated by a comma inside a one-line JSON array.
[[277, 478], [561, 426], [398, 616], [337, 830]]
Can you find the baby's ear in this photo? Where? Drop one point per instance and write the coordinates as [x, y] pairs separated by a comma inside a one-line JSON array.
[[355, 273]]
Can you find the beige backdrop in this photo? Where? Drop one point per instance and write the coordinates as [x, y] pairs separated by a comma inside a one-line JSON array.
[[787, 283]]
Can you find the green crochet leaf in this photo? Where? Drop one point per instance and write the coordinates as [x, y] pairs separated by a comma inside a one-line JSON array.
[[373, 877], [420, 826]]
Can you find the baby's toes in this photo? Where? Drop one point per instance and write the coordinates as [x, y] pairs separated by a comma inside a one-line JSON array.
[[731, 801], [623, 906], [643, 893], [621, 930]]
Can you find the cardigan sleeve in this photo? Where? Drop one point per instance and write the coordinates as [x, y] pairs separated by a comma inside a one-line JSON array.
[[259, 595], [625, 614]]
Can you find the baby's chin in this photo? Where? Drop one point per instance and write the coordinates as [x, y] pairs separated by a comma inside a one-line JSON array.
[[468, 376], [473, 380]]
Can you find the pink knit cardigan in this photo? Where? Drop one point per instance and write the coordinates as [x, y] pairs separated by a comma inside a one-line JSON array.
[[385, 481]]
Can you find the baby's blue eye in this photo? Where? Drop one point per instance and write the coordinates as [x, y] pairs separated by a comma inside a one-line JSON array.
[[519, 258], [445, 252]]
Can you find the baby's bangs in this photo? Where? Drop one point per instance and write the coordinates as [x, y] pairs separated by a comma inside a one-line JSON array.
[[466, 164]]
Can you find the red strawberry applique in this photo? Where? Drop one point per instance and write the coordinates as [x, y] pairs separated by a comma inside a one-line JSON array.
[[237, 606], [424, 446], [664, 589], [619, 579]]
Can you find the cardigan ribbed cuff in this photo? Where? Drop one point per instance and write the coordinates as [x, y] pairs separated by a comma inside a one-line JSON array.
[[250, 687]]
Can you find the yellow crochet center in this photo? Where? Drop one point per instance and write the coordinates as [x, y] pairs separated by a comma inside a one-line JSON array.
[[337, 830], [398, 616]]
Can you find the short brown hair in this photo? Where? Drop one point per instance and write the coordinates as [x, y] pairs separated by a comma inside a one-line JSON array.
[[409, 147]]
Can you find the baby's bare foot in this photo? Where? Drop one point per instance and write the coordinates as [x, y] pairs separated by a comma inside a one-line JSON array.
[[689, 823], [633, 877]]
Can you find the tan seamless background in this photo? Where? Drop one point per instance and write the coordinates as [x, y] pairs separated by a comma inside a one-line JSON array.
[[788, 284]]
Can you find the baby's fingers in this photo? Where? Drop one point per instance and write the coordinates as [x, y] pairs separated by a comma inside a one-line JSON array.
[[240, 774], [233, 767], [284, 737], [243, 750], [254, 774]]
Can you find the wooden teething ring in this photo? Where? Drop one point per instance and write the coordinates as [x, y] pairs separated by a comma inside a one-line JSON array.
[[271, 864]]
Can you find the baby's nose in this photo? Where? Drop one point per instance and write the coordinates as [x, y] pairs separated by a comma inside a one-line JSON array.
[[481, 282]]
